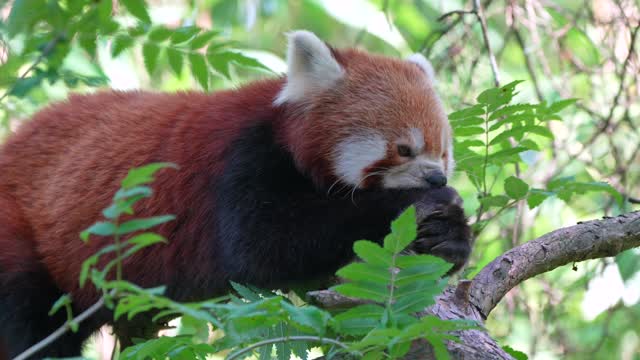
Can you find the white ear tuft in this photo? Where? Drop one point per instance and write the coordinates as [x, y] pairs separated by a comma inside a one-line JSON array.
[[424, 64], [312, 67]]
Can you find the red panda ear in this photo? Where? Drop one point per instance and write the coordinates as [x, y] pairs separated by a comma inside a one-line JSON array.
[[312, 68], [424, 64]]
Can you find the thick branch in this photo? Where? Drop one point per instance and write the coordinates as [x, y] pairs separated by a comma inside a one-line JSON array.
[[590, 240]]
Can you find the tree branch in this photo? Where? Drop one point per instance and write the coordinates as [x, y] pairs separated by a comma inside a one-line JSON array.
[[590, 240], [475, 299]]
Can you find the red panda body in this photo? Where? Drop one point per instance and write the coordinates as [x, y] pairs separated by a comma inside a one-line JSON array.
[[272, 185]]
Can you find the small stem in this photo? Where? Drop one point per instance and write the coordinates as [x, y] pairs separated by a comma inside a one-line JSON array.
[[116, 240], [250, 348], [60, 331]]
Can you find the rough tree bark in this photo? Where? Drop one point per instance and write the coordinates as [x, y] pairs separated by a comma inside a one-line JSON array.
[[475, 299]]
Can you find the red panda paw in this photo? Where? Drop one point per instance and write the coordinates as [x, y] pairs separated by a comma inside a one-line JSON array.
[[443, 230]]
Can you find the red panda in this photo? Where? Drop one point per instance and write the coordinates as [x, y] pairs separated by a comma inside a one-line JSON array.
[[276, 181]]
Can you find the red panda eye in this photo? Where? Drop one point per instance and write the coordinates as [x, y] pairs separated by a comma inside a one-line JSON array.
[[405, 151]]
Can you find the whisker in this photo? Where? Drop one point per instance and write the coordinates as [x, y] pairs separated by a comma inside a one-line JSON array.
[[353, 191]]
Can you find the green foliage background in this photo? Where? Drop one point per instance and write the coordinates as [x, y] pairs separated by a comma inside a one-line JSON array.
[[572, 161]]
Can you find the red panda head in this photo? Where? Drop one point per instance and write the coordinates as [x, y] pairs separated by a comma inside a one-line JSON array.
[[364, 120]]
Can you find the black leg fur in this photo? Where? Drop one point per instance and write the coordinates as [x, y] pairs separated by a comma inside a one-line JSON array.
[[275, 227], [25, 299], [442, 228]]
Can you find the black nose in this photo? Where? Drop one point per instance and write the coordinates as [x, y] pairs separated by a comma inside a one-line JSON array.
[[436, 179]]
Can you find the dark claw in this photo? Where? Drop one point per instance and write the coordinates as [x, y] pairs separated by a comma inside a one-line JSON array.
[[442, 227]]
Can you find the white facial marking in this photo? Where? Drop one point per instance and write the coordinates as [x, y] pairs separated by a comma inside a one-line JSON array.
[[451, 162], [424, 64], [312, 68], [412, 173], [356, 153], [418, 139]]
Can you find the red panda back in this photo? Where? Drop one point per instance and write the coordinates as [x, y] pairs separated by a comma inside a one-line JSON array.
[[66, 163]]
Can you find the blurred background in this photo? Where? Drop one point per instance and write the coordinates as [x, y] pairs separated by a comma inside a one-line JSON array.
[[562, 49]]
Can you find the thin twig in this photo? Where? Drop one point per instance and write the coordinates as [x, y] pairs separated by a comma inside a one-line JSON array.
[[477, 9], [456, 12], [241, 352], [60, 331], [46, 51], [616, 99]]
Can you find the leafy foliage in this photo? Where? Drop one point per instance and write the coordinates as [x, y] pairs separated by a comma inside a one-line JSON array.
[[493, 134], [257, 321], [400, 285], [566, 49]]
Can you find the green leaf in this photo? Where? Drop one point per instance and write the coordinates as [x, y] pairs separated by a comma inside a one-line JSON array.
[[468, 121], [150, 54], [516, 120], [146, 239], [246, 292], [105, 11], [199, 69], [137, 8], [202, 39], [518, 355], [101, 228], [220, 61], [473, 111], [403, 231], [468, 131], [628, 263], [175, 60], [24, 15], [497, 97], [367, 291], [366, 272], [24, 85], [90, 262], [495, 201], [121, 43], [144, 174], [510, 110], [433, 270], [418, 300], [184, 34], [399, 349], [470, 143], [160, 33], [358, 320], [88, 43], [134, 191], [143, 224], [308, 318], [506, 155], [537, 196], [581, 46], [372, 253], [515, 187], [283, 350], [64, 300], [518, 132], [530, 144], [559, 105]]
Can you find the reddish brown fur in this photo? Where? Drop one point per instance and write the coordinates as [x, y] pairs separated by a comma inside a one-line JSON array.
[[381, 93], [62, 167]]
